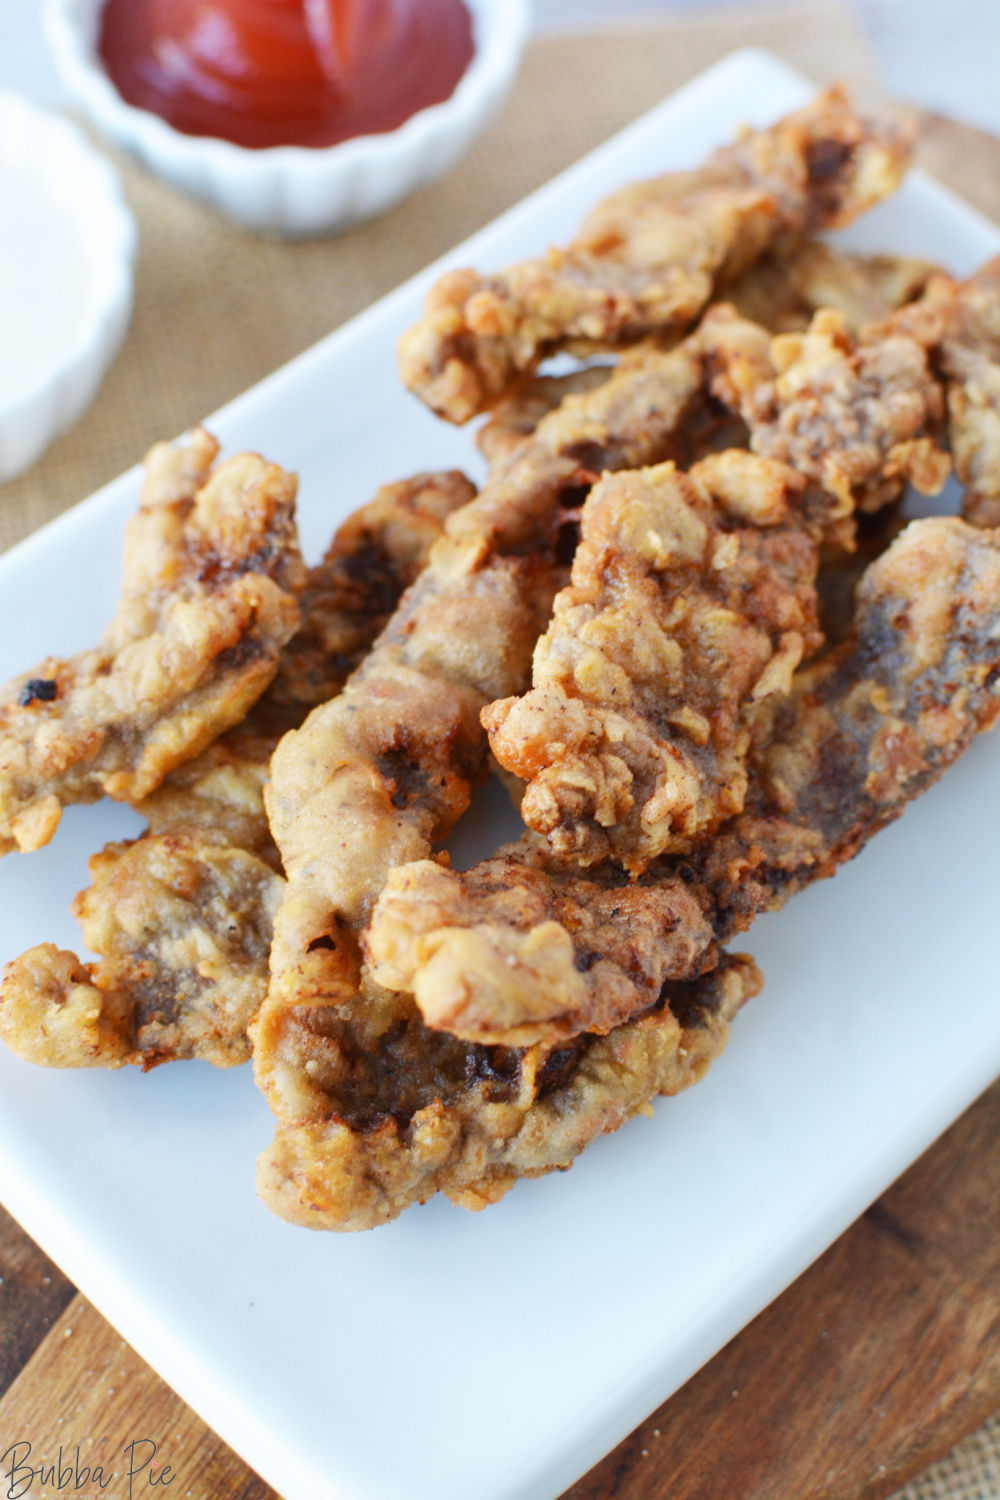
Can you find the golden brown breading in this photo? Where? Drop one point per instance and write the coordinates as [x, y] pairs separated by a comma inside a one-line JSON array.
[[692, 599], [184, 924], [856, 417], [871, 726], [390, 1113], [519, 413], [783, 294], [649, 258], [220, 793], [569, 953], [212, 574], [862, 732], [174, 980], [349, 596], [374, 777], [959, 323]]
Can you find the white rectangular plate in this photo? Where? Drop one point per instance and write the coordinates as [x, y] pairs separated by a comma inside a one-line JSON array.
[[498, 1356]]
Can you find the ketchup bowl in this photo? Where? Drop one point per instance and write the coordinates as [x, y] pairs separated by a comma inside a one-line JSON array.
[[290, 189]]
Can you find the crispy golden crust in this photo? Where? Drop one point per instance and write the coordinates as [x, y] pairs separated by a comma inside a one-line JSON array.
[[374, 777], [692, 599], [870, 727], [212, 571], [176, 978], [648, 259], [783, 294], [959, 323], [349, 596], [568, 954], [320, 983], [395, 1113], [184, 924], [517, 416], [855, 417], [221, 793], [862, 732]]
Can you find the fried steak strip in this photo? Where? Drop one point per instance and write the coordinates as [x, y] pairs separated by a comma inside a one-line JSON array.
[[692, 599], [390, 1112], [383, 771], [856, 417], [372, 778], [862, 732], [212, 575], [518, 414], [870, 727], [783, 294], [183, 923], [958, 323], [652, 255], [352, 593], [183, 917]]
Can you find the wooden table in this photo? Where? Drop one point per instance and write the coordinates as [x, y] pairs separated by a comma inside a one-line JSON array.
[[874, 1363]]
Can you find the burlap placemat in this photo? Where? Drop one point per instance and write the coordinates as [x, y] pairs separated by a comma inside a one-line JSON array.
[[971, 1470], [218, 307]]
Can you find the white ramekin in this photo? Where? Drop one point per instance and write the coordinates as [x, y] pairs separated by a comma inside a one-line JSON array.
[[292, 189], [67, 172]]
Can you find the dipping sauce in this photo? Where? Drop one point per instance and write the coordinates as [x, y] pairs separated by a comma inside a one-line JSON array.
[[285, 72]]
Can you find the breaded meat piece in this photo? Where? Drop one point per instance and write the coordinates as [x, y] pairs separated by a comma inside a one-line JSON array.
[[651, 257], [349, 596], [870, 727], [390, 1112], [861, 733], [857, 417], [212, 577], [707, 426], [183, 922], [783, 294], [518, 414], [373, 778], [558, 952], [692, 599], [220, 793], [958, 322], [176, 978]]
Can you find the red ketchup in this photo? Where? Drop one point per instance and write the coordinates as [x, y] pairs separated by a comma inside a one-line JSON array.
[[285, 72]]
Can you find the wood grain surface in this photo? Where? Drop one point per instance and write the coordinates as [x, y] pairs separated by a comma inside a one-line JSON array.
[[873, 1364]]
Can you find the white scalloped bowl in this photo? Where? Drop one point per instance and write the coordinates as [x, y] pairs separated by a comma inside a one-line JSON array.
[[297, 190], [78, 192]]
